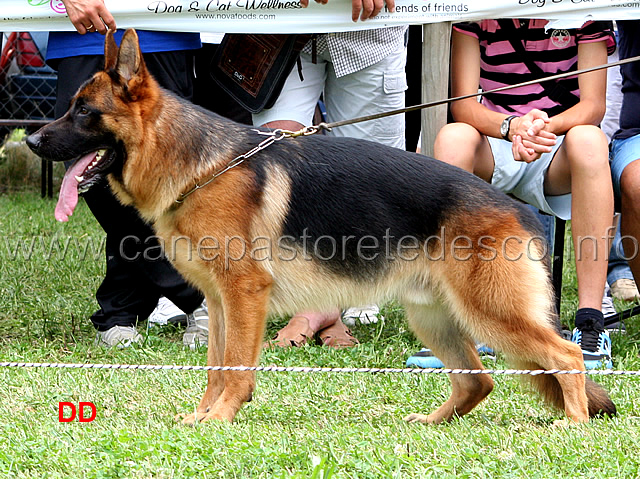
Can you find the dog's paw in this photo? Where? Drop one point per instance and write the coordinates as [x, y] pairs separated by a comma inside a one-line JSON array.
[[421, 418], [568, 422], [561, 423], [196, 417], [189, 419], [218, 416]]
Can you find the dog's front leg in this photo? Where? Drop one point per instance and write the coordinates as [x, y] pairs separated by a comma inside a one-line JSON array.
[[215, 354], [245, 309], [215, 357]]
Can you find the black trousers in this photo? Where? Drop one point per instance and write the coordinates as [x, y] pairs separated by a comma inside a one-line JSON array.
[[413, 95], [133, 283]]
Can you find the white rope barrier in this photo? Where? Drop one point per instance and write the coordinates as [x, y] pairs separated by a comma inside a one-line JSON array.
[[298, 369]]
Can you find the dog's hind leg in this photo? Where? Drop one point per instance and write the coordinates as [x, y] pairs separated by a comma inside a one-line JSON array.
[[580, 397], [538, 346], [508, 304], [436, 328], [524, 329]]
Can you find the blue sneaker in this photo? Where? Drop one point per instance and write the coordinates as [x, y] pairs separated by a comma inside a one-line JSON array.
[[596, 347], [485, 352], [424, 359]]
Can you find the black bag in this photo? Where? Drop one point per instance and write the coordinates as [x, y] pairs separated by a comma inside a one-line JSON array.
[[253, 68]]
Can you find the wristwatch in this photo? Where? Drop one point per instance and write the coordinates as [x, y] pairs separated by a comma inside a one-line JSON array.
[[504, 127]]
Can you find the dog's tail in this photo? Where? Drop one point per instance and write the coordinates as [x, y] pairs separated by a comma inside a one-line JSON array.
[[599, 402]]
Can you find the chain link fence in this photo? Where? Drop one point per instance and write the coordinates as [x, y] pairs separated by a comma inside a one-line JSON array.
[[27, 100], [27, 84]]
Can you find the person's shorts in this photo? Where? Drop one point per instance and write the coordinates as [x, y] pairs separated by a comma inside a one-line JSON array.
[[525, 181], [622, 153], [377, 88]]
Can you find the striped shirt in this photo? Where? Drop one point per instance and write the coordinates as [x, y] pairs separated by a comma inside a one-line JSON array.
[[554, 51], [354, 51]]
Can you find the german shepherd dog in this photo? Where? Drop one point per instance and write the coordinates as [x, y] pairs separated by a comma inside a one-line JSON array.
[[316, 223]]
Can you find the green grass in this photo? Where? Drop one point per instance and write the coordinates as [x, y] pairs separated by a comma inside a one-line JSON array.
[[317, 425], [20, 168]]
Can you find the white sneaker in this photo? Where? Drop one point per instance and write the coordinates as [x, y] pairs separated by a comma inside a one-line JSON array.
[[608, 307], [118, 336], [166, 312], [197, 332], [364, 315]]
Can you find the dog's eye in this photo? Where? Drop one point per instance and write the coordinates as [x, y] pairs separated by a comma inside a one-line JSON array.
[[83, 111]]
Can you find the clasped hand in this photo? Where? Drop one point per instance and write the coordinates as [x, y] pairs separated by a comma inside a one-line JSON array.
[[531, 136]]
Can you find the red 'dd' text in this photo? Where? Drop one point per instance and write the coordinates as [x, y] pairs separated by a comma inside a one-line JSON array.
[[67, 411]]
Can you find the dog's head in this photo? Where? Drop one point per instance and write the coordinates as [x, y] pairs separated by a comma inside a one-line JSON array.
[[100, 123]]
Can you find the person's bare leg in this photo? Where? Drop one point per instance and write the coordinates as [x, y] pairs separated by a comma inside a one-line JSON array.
[[303, 327], [461, 145], [284, 125], [581, 167], [630, 217], [319, 321]]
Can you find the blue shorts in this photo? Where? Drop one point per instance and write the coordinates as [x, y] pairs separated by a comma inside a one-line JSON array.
[[622, 153], [525, 181]]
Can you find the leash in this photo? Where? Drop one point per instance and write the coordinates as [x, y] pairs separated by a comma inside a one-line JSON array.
[[273, 136], [279, 134], [329, 126], [299, 369]]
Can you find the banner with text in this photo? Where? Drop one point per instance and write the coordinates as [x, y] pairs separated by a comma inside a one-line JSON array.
[[288, 16]]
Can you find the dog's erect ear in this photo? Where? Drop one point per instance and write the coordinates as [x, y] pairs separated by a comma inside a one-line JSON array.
[[130, 63], [110, 51]]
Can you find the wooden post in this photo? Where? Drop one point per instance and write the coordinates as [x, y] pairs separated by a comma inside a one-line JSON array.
[[435, 80]]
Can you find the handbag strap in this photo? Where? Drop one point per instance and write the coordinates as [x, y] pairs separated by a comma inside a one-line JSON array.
[[554, 90]]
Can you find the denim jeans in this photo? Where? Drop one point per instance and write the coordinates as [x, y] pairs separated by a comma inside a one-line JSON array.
[[618, 266]]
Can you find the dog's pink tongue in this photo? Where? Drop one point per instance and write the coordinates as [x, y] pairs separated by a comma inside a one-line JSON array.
[[68, 198]]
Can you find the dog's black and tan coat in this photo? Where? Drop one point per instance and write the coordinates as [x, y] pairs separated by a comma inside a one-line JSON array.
[[315, 223]]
